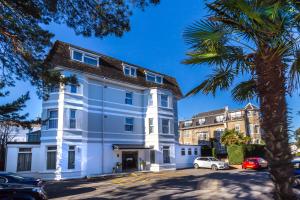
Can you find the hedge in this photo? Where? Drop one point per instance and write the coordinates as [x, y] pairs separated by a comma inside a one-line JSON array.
[[237, 153]]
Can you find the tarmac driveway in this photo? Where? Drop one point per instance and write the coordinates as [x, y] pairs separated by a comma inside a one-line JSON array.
[[181, 184]]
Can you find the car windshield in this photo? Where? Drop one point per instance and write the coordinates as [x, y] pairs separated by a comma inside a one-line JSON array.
[[296, 165], [213, 159]]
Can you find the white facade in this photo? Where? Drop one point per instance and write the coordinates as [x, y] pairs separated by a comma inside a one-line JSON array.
[[102, 123]]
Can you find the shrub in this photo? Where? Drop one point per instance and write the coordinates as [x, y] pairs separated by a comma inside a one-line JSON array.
[[236, 154], [255, 150], [206, 151], [213, 152]]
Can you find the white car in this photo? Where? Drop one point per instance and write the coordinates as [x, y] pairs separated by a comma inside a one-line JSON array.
[[210, 162]]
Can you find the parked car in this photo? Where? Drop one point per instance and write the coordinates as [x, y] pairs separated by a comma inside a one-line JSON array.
[[15, 178], [210, 162], [296, 164], [12, 191], [255, 163]]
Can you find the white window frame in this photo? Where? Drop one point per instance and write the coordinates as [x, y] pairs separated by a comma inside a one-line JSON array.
[[24, 150], [201, 121], [161, 95], [71, 150], [73, 119], [203, 136], [127, 98], [48, 111], [127, 124], [155, 76], [130, 68], [151, 125], [84, 54], [182, 152], [52, 150], [162, 126], [220, 118], [188, 123]]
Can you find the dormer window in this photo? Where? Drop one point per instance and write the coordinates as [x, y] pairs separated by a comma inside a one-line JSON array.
[[220, 118], [151, 77], [201, 121], [188, 123], [129, 70], [85, 57]]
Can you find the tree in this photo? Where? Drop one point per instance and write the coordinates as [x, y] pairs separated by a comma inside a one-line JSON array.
[[6, 135], [297, 137], [23, 41], [232, 136], [256, 45]]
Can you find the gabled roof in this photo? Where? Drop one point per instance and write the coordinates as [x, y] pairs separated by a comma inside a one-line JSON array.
[[109, 67], [250, 106]]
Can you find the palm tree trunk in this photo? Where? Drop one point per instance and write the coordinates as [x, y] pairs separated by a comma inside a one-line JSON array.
[[271, 83]]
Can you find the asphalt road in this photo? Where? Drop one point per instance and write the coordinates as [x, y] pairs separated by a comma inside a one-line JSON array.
[[181, 184]]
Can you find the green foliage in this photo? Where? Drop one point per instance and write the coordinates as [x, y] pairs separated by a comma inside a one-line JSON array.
[[236, 154], [230, 137], [213, 152], [297, 137], [24, 42], [255, 150], [233, 34], [297, 154], [206, 151]]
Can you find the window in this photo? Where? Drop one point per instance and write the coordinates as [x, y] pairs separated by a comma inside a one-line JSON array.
[[188, 123], [201, 121], [203, 136], [235, 115], [189, 151], [71, 157], [72, 118], [51, 157], [129, 124], [166, 154], [152, 156], [151, 125], [85, 58], [256, 128], [195, 151], [186, 134], [154, 78], [183, 151], [237, 127], [128, 98], [150, 100], [24, 159], [53, 118], [220, 118], [77, 56], [90, 60], [73, 88], [129, 70], [54, 89], [165, 126], [164, 100]]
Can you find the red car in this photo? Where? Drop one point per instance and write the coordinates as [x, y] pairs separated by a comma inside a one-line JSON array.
[[255, 163]]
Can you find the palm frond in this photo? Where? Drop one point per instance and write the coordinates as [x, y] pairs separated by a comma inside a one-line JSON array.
[[221, 79], [244, 91], [294, 73]]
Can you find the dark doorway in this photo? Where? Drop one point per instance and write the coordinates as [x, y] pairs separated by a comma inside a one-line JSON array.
[[129, 160]]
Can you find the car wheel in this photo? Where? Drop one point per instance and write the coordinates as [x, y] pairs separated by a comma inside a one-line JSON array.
[[196, 166], [214, 167]]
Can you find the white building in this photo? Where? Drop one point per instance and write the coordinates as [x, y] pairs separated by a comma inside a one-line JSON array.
[[118, 115]]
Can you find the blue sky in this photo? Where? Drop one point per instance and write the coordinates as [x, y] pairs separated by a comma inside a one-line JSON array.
[[155, 42]]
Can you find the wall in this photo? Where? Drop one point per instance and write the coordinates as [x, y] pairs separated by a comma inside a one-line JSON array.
[[186, 161]]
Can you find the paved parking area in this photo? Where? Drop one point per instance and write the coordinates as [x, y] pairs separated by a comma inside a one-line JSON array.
[[181, 184]]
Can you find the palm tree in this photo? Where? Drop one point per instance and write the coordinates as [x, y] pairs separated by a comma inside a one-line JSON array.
[[253, 46], [230, 137]]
